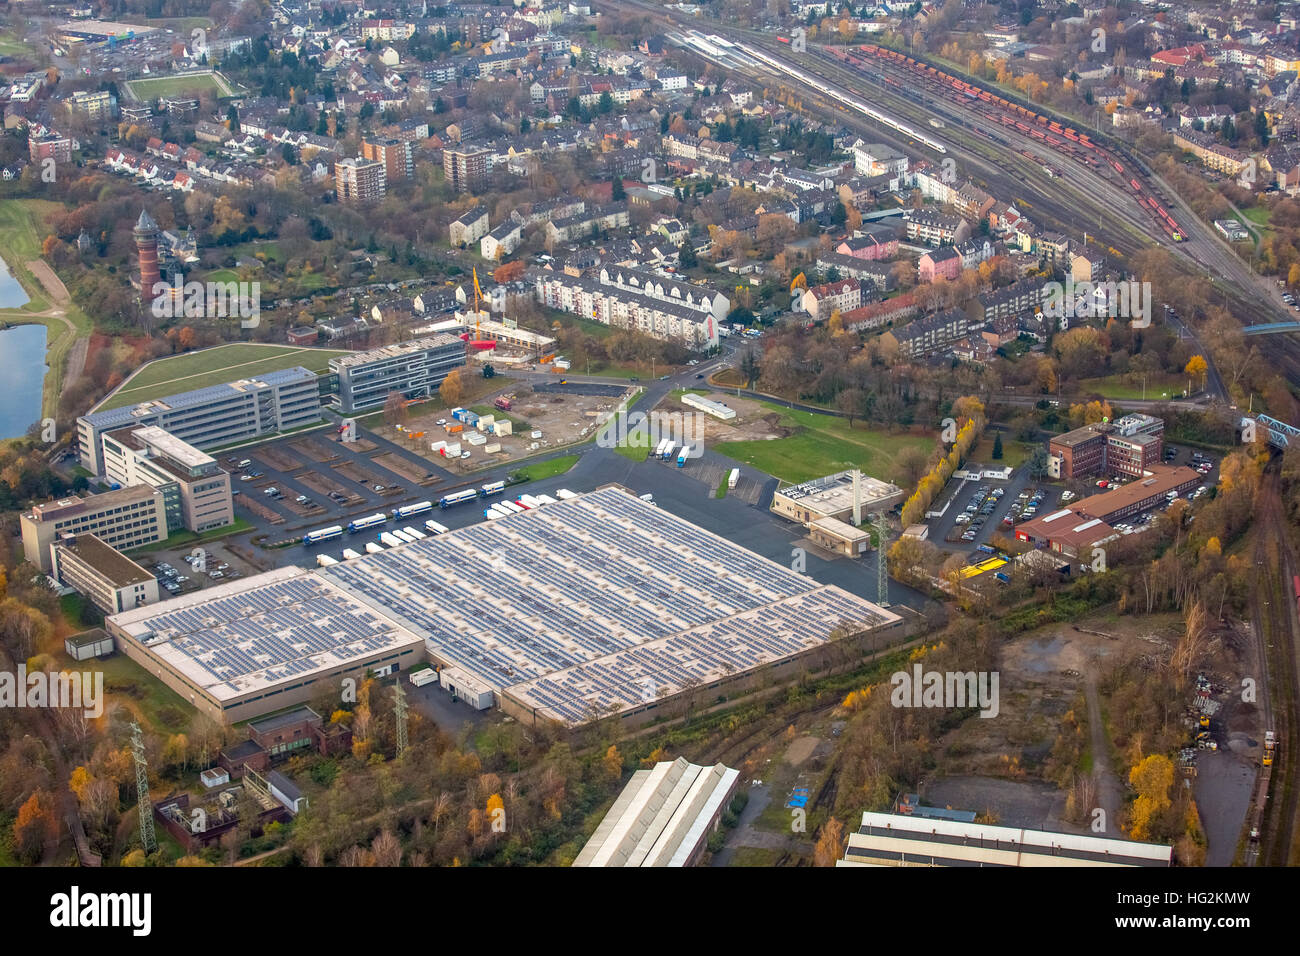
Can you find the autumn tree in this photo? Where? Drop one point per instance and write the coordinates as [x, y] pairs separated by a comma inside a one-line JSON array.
[[35, 826], [452, 390], [1151, 778], [395, 406], [830, 843], [1197, 366]]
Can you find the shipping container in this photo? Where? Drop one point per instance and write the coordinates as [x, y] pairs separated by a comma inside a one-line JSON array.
[[435, 527], [422, 677]]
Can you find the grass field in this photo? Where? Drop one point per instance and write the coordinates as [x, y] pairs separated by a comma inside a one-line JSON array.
[[184, 373], [1157, 387], [822, 445], [150, 88], [549, 469], [10, 45], [1014, 453]]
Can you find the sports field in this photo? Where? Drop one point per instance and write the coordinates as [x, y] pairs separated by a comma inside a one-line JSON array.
[[822, 445], [150, 88], [225, 363]]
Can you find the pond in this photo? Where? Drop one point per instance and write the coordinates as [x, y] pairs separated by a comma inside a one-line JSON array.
[[22, 369]]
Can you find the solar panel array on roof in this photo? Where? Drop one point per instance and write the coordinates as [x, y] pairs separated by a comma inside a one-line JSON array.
[[273, 632], [598, 602]]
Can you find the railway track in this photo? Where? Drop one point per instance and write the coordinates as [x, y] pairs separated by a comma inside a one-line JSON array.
[[1278, 635]]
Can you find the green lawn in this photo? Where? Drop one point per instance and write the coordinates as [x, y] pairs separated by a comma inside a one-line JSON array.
[[10, 45], [225, 363], [548, 469], [163, 710], [822, 445], [151, 88], [178, 538], [1117, 387], [1014, 453]]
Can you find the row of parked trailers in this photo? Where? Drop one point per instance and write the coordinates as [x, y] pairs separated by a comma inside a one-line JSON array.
[[664, 451], [1061, 137], [523, 503]]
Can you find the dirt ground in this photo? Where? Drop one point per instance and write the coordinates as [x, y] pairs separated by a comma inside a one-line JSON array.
[[560, 419], [752, 421]]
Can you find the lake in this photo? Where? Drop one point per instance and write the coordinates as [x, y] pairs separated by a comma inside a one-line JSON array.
[[22, 369], [12, 294]]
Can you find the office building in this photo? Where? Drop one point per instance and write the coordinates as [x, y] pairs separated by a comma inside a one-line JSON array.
[[466, 169], [125, 518], [359, 181], [108, 578], [1129, 446], [213, 416], [415, 369], [195, 489]]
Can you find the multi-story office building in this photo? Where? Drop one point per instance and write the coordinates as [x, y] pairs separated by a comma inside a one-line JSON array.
[[466, 169], [196, 491], [213, 416], [397, 155], [415, 369], [358, 181], [111, 580], [125, 518], [1129, 446]]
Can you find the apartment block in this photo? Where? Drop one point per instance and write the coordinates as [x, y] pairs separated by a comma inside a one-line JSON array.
[[415, 369], [125, 518], [359, 181], [111, 580], [466, 169], [195, 489], [213, 416], [469, 226], [397, 156]]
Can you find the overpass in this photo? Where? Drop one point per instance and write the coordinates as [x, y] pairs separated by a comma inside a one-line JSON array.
[[1279, 433], [1270, 328]]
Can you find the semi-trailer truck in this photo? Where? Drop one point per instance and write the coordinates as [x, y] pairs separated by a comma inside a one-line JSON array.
[[683, 455], [350, 555], [435, 527], [733, 478], [324, 560], [415, 533], [390, 540], [373, 548]]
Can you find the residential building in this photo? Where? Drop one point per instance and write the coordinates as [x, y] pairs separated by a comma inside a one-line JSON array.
[[196, 491], [877, 159], [930, 334], [935, 228], [396, 155], [108, 578], [359, 181], [941, 263], [216, 415], [415, 369], [96, 104], [50, 146], [469, 226], [694, 324], [821, 301], [466, 169], [124, 518], [502, 240]]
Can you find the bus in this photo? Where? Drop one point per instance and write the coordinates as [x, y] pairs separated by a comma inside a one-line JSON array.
[[492, 488], [324, 534], [459, 497], [419, 508], [435, 527], [361, 524]]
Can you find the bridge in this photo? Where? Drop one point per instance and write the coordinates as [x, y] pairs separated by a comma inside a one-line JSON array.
[[1279, 433], [1270, 328]]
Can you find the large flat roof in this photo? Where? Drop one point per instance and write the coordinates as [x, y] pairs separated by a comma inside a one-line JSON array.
[[66, 507], [181, 452], [414, 347], [834, 493], [113, 565], [599, 604], [129, 414], [251, 635]]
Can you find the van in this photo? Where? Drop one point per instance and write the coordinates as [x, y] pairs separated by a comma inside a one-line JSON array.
[[245, 463]]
